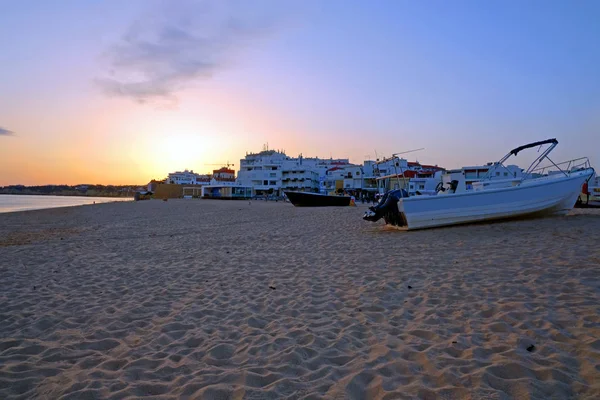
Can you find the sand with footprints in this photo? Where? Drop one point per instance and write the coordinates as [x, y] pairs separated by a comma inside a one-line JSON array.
[[232, 300]]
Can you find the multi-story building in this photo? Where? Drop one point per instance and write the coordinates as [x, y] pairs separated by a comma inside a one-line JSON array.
[[412, 176], [187, 178], [271, 171], [343, 178], [299, 179], [224, 174], [262, 171], [476, 173], [376, 176]]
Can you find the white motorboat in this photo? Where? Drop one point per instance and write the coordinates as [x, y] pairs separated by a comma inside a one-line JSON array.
[[537, 193]]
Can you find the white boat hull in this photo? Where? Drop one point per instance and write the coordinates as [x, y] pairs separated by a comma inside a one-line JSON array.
[[554, 195]]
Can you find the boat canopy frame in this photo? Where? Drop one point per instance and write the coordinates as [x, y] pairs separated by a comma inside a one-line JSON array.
[[396, 160], [578, 163]]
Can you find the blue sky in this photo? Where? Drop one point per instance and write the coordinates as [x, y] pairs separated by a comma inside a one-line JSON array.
[[92, 88]]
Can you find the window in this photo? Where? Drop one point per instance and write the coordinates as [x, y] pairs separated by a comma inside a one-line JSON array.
[[265, 183], [506, 174], [274, 168], [273, 183], [497, 173]]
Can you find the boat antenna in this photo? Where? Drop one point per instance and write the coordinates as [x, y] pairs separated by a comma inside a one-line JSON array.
[[409, 151]]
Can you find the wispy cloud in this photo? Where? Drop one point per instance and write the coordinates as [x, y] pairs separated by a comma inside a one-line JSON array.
[[5, 132], [180, 42]]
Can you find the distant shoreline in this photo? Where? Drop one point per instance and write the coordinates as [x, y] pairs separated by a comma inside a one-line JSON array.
[[18, 203], [67, 195]]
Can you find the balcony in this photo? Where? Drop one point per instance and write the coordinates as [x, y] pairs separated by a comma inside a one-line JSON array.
[[266, 187]]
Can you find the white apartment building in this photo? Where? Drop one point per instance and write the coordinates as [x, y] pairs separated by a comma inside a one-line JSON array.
[[187, 178], [476, 173], [262, 171], [299, 179], [272, 169], [343, 177], [362, 178]]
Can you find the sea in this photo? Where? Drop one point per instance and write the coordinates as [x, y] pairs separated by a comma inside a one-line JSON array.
[[21, 202]]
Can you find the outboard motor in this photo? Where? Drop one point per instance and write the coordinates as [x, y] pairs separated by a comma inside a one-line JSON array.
[[387, 208]]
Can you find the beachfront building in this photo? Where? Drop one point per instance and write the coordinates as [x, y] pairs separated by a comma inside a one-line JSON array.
[[272, 171], [226, 191], [476, 173], [187, 178], [351, 179], [216, 188], [369, 179], [191, 178], [188, 184], [424, 183], [346, 178], [364, 181], [299, 179], [262, 171], [321, 166], [413, 177], [224, 174]]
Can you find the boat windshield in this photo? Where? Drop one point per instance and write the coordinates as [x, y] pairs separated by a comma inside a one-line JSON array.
[[542, 164]]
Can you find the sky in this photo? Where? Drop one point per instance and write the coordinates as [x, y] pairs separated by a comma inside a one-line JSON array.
[[121, 92]]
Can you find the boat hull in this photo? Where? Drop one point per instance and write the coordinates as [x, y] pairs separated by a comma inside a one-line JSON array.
[[539, 197], [305, 199]]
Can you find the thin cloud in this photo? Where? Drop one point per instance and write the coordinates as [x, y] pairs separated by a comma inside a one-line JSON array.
[[182, 42], [5, 132]]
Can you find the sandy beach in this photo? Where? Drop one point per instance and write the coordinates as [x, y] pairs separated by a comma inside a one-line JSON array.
[[229, 300]]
